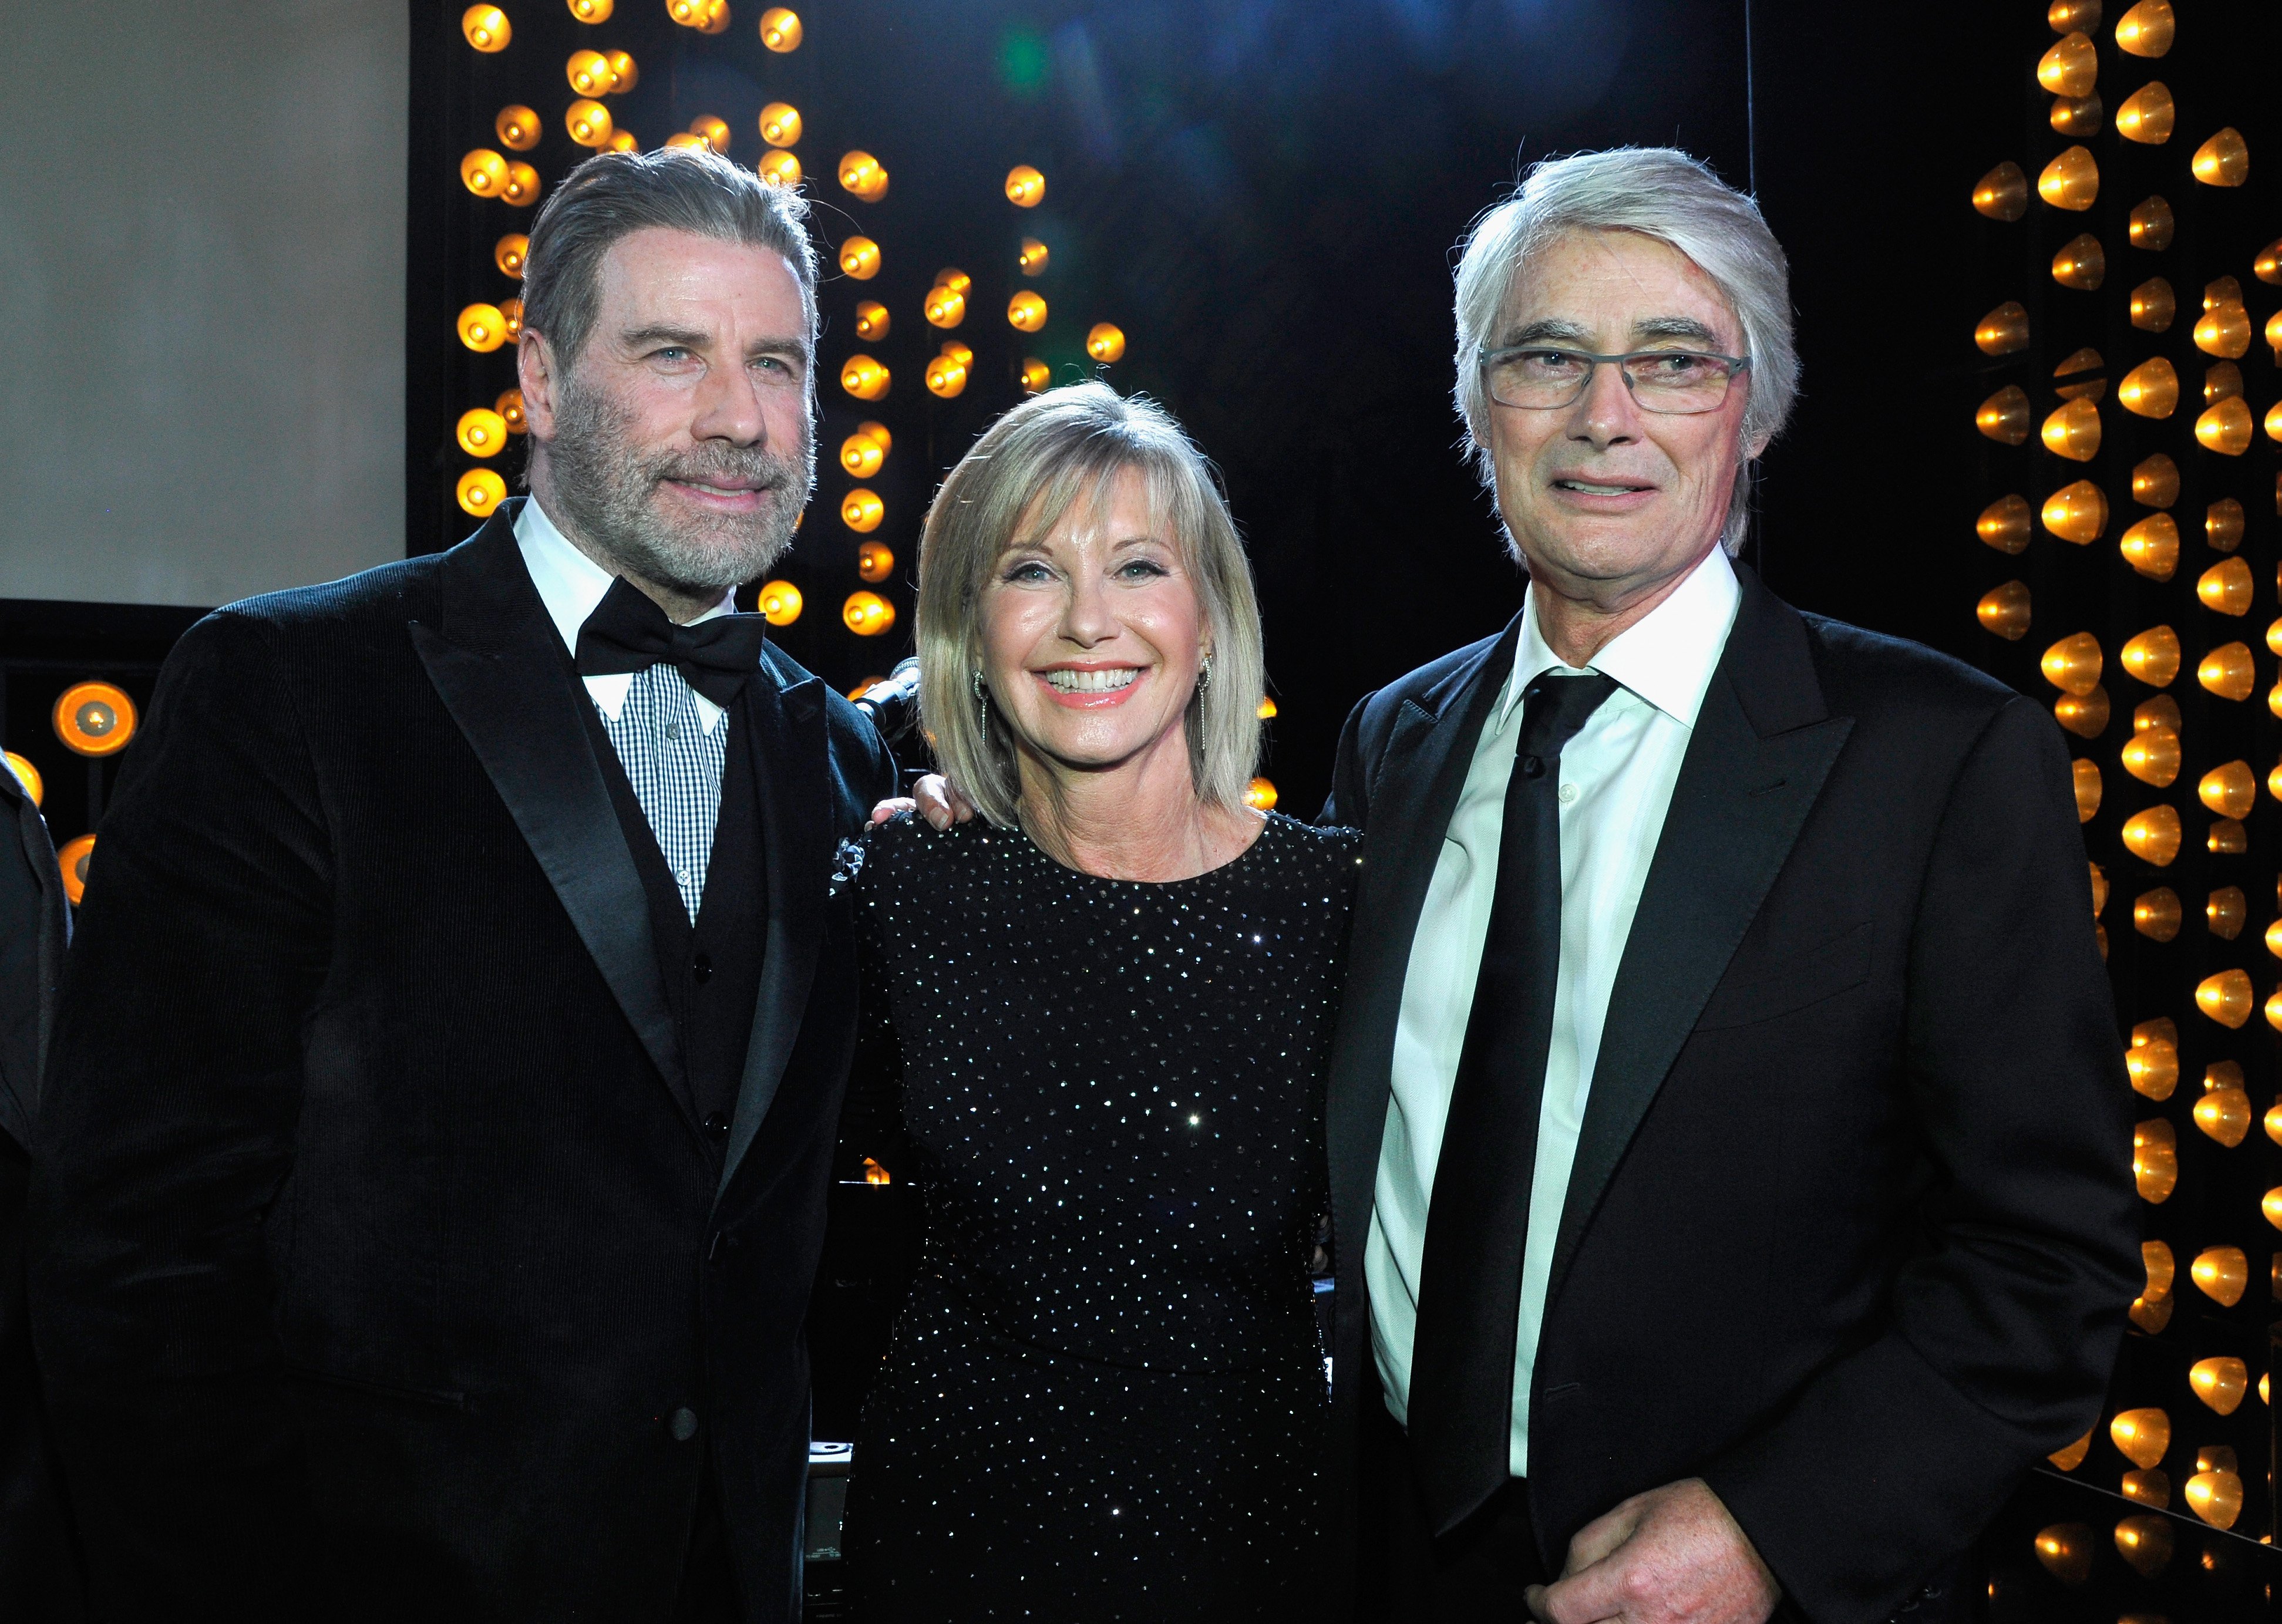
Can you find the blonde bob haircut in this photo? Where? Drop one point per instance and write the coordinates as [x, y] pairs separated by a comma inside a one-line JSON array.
[[1057, 452]]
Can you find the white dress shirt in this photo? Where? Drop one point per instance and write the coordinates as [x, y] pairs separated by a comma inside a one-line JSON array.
[[1617, 777], [572, 586]]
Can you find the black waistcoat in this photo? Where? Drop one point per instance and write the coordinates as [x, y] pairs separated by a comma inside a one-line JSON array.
[[712, 969]]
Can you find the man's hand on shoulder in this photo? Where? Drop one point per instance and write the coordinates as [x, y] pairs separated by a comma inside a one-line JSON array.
[[1671, 1555], [934, 798]]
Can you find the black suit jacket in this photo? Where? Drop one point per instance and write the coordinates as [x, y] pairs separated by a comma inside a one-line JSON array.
[[1850, 1230], [39, 1573], [379, 1258]]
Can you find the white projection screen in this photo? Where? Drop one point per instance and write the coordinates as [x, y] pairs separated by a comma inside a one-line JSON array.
[[202, 228]]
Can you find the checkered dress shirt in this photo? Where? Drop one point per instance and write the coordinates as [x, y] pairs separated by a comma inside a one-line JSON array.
[[674, 764]]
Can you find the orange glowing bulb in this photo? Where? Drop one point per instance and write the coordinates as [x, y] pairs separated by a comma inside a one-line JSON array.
[[480, 490], [517, 128], [867, 614], [859, 258], [482, 327], [1026, 188], [509, 252], [780, 124], [780, 168], [589, 73], [481, 432], [779, 29], [484, 173], [1026, 312], [779, 603], [861, 510], [486, 28], [1104, 342], [864, 378], [875, 561]]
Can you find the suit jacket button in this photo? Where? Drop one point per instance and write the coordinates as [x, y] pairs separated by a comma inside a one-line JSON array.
[[683, 1425], [717, 1126], [701, 969]]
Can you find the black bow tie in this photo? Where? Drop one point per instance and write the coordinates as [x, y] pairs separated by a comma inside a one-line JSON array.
[[628, 633]]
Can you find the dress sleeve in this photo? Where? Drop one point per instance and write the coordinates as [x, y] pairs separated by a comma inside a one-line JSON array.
[[871, 1123]]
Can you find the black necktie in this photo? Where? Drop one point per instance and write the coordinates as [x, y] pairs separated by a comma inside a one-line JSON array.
[[628, 633], [1460, 1410]]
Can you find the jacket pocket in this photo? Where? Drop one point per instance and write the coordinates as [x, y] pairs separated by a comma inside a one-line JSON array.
[[1825, 971]]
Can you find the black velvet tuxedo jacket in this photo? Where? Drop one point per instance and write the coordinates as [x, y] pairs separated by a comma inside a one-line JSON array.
[[1851, 1229], [39, 1575], [383, 1266]]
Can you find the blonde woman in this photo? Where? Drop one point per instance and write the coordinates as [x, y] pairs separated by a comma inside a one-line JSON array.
[[1099, 1018]]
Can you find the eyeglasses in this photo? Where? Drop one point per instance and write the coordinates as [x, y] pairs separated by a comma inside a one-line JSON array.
[[1672, 381]]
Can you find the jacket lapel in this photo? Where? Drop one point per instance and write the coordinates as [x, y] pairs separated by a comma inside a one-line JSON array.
[[1414, 787], [788, 753], [499, 666], [20, 1069], [1763, 744]]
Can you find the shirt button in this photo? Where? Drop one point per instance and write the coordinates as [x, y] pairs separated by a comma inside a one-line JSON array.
[[683, 1425], [673, 730], [700, 968], [1568, 794]]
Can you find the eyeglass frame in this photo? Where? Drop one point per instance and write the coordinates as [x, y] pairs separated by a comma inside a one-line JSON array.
[[1736, 365]]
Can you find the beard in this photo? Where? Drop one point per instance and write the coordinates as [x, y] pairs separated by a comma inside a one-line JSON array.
[[607, 486]]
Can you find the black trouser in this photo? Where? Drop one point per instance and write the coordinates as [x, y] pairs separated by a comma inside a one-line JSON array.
[[709, 1578], [1479, 1570]]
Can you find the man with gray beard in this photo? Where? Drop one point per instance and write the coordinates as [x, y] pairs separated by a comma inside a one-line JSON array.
[[435, 1145]]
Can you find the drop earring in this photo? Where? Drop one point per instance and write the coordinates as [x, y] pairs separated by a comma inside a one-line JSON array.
[[1204, 674], [983, 699]]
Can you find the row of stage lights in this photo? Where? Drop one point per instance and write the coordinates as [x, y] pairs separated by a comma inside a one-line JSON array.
[[90, 719], [2077, 513]]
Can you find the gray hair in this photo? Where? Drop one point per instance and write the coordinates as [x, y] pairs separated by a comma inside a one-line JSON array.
[[613, 195], [1659, 192], [1055, 452]]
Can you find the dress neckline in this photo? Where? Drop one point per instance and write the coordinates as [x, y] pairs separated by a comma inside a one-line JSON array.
[[1267, 821]]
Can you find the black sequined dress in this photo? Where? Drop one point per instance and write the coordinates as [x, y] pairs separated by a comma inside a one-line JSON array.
[[1105, 1398]]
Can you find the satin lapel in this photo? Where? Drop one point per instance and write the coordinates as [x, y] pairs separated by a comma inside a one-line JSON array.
[[498, 665], [1751, 775], [1414, 789], [788, 748]]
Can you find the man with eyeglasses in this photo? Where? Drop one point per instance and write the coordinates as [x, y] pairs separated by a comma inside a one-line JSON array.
[[1729, 1143]]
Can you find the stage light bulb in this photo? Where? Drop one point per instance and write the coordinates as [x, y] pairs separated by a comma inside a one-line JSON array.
[[859, 258], [2004, 611], [779, 29], [27, 775], [2152, 656], [509, 407], [2153, 836], [713, 131], [2085, 780], [861, 511], [2073, 664], [1035, 377], [2066, 1550], [2155, 481], [589, 73], [782, 168], [1032, 259], [2147, 1488], [480, 490], [623, 74], [521, 187], [2215, 1497], [945, 306], [2083, 714], [1260, 795], [588, 123], [2081, 264], [2070, 67], [1027, 312], [2230, 790], [872, 320], [2073, 431], [2003, 331], [2225, 587], [621, 140], [2223, 161], [2156, 1174], [1106, 343], [484, 173], [2142, 1437], [593, 10], [2161, 711], [2004, 417], [2147, 115], [2224, 1114], [481, 432], [2080, 361], [2150, 389], [2227, 671], [2152, 547], [715, 20], [482, 328], [861, 456], [779, 603], [509, 252], [2077, 115], [946, 377], [2227, 836], [1026, 188], [2154, 305], [2069, 16], [2152, 756], [860, 174], [2158, 913], [2225, 428], [2151, 225], [2144, 1542], [864, 378], [486, 28], [2147, 28], [2071, 180], [875, 561], [2222, 1272], [2222, 381], [867, 614], [2003, 193], [878, 433], [2153, 1068], [511, 313], [2006, 525], [780, 124], [2224, 331], [518, 129]]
